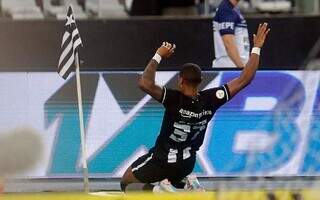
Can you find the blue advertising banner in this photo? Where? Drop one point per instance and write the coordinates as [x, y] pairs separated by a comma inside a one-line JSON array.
[[271, 128]]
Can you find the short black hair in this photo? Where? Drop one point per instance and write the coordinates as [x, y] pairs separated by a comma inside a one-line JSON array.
[[191, 73]]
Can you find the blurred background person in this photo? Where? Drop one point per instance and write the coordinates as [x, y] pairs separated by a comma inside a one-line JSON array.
[[231, 39]]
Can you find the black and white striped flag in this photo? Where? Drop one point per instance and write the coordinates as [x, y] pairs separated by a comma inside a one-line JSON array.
[[70, 43]]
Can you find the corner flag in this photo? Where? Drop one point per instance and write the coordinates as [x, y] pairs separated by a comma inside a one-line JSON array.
[[70, 42], [70, 57]]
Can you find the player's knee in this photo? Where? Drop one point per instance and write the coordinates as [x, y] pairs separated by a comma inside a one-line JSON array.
[[126, 179], [123, 186]]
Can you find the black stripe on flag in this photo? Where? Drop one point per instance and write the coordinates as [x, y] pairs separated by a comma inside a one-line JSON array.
[[70, 43]]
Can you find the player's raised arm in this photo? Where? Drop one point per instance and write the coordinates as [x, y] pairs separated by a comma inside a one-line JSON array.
[[251, 67], [147, 79]]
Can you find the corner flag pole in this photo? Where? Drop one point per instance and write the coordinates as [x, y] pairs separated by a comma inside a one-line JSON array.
[[71, 41], [82, 135]]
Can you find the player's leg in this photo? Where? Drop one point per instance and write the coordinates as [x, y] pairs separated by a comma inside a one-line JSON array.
[[131, 183], [144, 171], [188, 183], [183, 178], [176, 174], [164, 186], [128, 178]]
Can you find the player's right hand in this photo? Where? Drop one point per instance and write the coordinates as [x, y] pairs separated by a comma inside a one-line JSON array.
[[166, 49], [259, 38]]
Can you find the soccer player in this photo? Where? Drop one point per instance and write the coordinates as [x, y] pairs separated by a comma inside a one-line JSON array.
[[187, 114], [231, 40]]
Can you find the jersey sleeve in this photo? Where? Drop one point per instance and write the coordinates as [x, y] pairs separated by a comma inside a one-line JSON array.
[[169, 97], [218, 96], [226, 22]]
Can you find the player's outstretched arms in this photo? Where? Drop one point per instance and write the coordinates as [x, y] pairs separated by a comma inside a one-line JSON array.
[[147, 79], [251, 67]]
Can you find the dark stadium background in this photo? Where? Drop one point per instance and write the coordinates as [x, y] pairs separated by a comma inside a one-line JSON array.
[[128, 44]]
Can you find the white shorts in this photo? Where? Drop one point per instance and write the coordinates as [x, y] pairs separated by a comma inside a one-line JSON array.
[[225, 62]]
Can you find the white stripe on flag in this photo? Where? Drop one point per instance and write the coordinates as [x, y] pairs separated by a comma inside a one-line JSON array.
[[65, 52], [65, 37], [67, 65], [75, 32], [76, 43]]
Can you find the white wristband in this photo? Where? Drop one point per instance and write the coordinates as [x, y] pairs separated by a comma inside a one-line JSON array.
[[256, 50], [157, 58]]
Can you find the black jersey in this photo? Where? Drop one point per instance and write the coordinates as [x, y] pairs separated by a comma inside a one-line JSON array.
[[185, 122]]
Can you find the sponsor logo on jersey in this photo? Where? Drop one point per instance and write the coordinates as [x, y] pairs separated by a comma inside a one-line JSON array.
[[226, 25], [190, 114]]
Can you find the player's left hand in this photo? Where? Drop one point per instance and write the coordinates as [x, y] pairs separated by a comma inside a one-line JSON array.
[[166, 50], [260, 37]]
